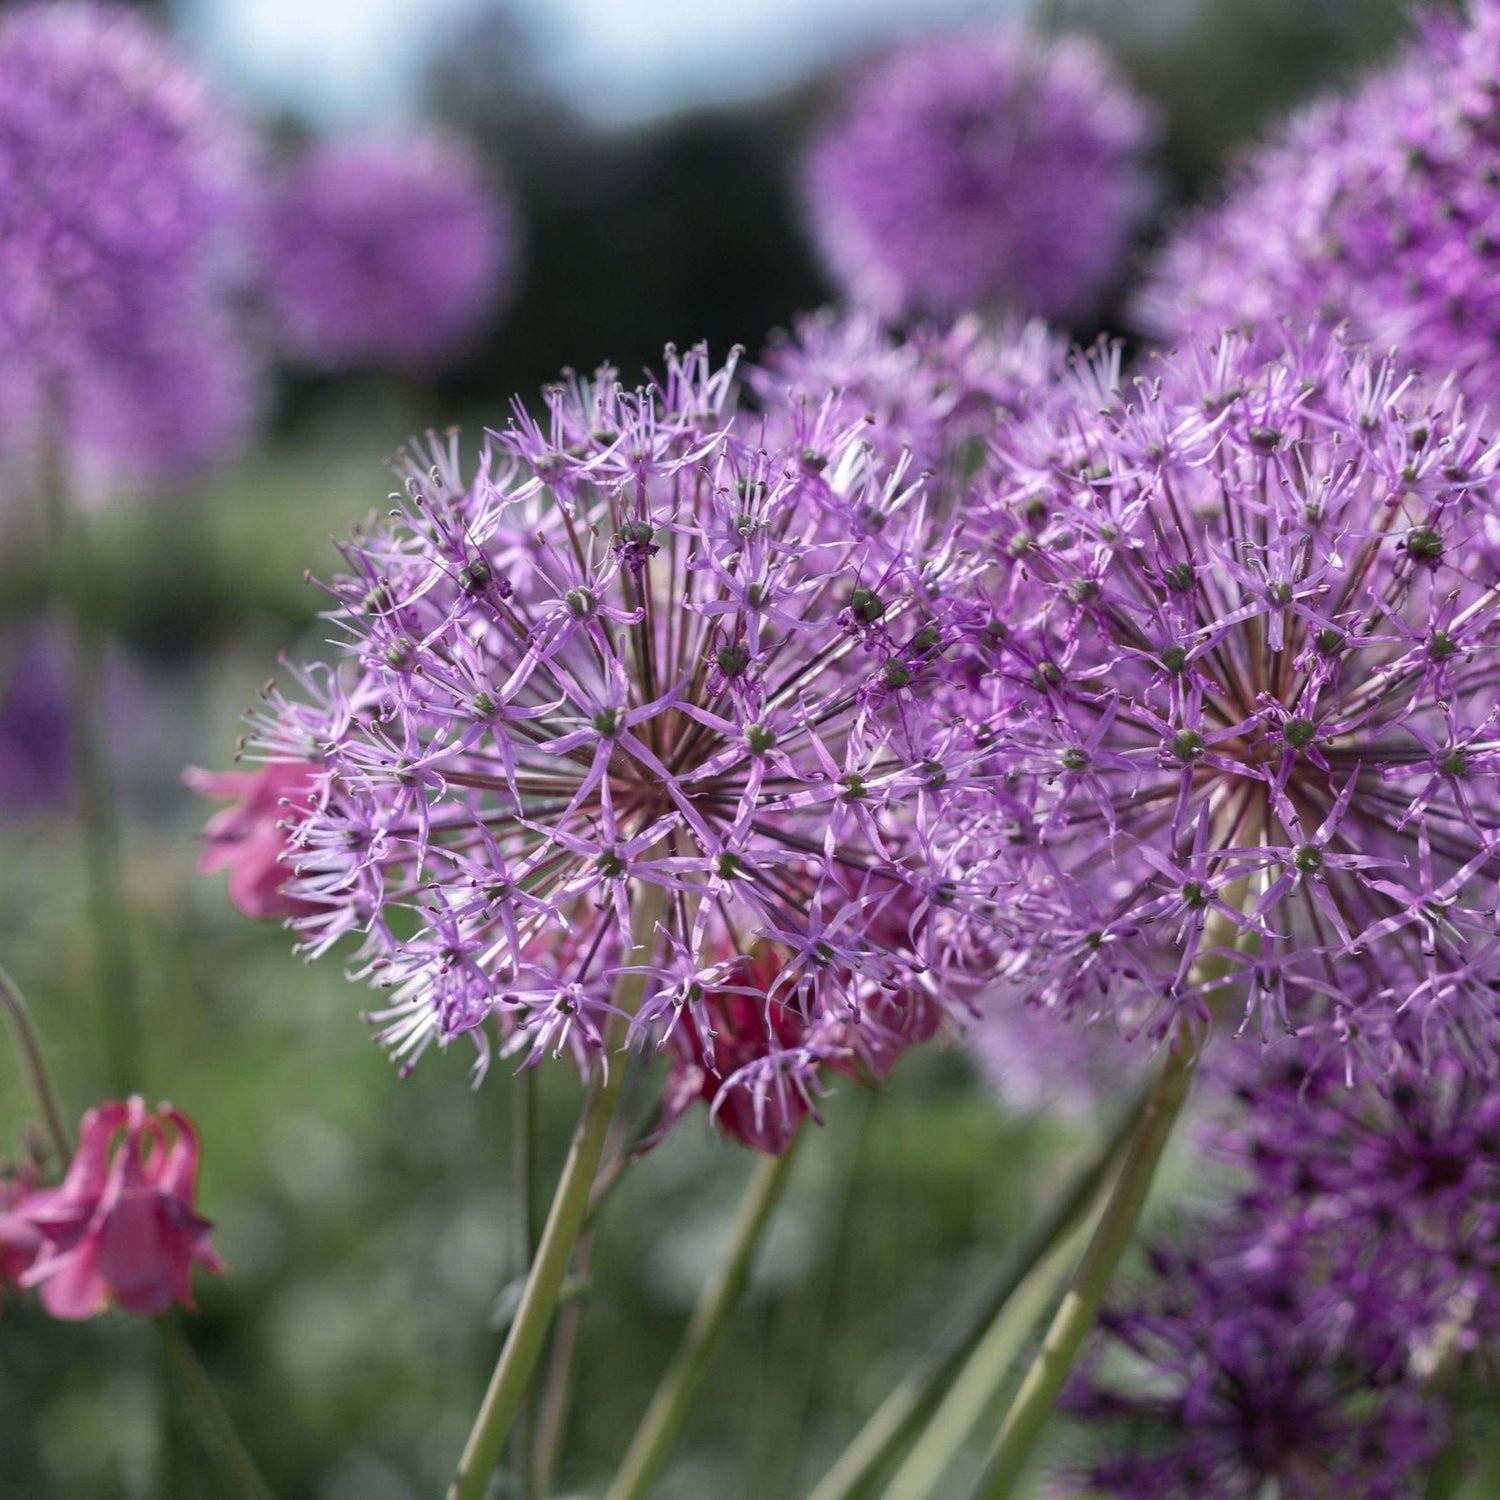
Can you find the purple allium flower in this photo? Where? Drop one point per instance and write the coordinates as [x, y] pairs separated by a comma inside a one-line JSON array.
[[1381, 208], [121, 185], [937, 394], [1244, 723], [36, 770], [980, 169], [638, 655], [384, 254], [1300, 1333], [1033, 1064]]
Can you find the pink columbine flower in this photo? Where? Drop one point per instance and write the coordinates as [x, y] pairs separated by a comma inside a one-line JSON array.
[[19, 1238], [249, 839], [122, 1228]]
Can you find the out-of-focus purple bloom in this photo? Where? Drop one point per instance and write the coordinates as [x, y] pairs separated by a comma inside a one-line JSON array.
[[1034, 1064], [1381, 208], [122, 185], [122, 1229], [937, 394], [384, 254], [253, 838], [35, 763], [982, 169], [1299, 1334], [635, 652], [1243, 728]]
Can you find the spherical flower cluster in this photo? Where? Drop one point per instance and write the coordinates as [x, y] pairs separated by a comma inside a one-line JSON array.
[[1243, 722], [1382, 208], [122, 1229], [120, 187], [1300, 1335], [936, 394], [982, 169], [384, 253], [632, 729]]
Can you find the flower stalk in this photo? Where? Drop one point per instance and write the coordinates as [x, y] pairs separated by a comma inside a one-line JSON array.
[[1033, 1402], [674, 1396], [565, 1219]]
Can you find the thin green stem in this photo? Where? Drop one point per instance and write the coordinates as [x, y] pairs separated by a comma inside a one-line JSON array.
[[674, 1396], [29, 1046], [976, 1386], [528, 1332], [97, 798], [1080, 1305], [523, 1160], [910, 1404], [557, 1385], [214, 1422]]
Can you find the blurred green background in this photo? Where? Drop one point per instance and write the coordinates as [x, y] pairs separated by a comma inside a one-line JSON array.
[[368, 1221]]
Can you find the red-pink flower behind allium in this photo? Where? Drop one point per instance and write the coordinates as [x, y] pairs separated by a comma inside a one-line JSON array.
[[251, 839], [123, 186], [637, 650], [1382, 208], [122, 1228], [19, 1238], [387, 253], [1244, 713], [987, 168]]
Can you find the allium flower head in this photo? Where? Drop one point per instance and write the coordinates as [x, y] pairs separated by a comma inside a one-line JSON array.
[[1244, 718], [384, 253], [982, 169], [1382, 208], [1297, 1334], [120, 185], [640, 664], [122, 1228], [936, 394]]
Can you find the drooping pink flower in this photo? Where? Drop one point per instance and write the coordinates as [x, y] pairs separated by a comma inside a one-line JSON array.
[[122, 1229], [249, 839], [19, 1238]]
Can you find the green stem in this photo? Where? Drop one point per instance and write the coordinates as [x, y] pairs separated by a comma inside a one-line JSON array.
[[523, 1142], [213, 1421], [674, 1396], [974, 1389], [528, 1331], [891, 1428], [30, 1048], [97, 796], [1034, 1400]]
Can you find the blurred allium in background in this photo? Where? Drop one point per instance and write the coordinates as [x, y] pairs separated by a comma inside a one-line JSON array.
[[122, 193], [1308, 1333], [982, 170], [1382, 208], [640, 660], [1244, 712], [388, 253]]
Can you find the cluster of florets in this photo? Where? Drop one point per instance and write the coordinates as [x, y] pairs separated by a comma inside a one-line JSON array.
[[136, 230], [121, 185], [979, 170], [641, 709], [1382, 208], [383, 253], [935, 394], [1303, 1336], [1242, 680]]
